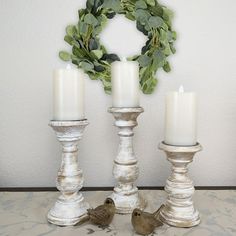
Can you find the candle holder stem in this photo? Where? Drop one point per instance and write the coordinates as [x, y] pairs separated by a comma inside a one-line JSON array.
[[70, 208], [179, 210], [125, 169]]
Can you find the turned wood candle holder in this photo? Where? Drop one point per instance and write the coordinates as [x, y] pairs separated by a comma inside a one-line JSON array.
[[179, 210], [125, 169], [70, 208]]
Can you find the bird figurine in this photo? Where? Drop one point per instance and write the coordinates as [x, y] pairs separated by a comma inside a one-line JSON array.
[[145, 223], [103, 214]]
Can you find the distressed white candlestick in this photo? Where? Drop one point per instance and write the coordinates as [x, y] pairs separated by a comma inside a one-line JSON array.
[[125, 169], [70, 208], [179, 210]]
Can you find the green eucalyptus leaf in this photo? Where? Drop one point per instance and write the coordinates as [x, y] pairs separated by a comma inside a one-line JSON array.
[[142, 16], [80, 53], [167, 14], [173, 50], [147, 46], [166, 67], [65, 56], [155, 22], [83, 28], [144, 60], [81, 13], [93, 76], [93, 44], [112, 4], [86, 66], [174, 35], [110, 57], [71, 30], [102, 20], [157, 11], [140, 4], [151, 2], [90, 4], [163, 36], [141, 28], [99, 68], [69, 39], [97, 30], [149, 85], [130, 16], [103, 49], [165, 26], [167, 51], [97, 53], [107, 86], [90, 19], [133, 58], [158, 58], [111, 14]]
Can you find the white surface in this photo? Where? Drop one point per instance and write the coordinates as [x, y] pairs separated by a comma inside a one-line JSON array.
[[68, 94], [31, 36], [180, 118], [125, 83]]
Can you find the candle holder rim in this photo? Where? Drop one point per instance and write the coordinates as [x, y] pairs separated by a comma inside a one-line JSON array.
[[179, 148], [68, 122], [125, 109]]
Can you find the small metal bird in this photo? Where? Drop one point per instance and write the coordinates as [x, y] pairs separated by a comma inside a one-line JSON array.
[[145, 223], [103, 214]]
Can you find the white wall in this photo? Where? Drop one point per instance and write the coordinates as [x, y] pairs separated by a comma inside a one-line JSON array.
[[31, 34]]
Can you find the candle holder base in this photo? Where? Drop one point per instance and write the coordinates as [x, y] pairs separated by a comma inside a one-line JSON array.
[[126, 203], [179, 210], [65, 213], [70, 207], [125, 169]]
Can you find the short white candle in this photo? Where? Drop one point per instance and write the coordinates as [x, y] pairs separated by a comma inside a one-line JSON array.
[[181, 118], [125, 83], [68, 94]]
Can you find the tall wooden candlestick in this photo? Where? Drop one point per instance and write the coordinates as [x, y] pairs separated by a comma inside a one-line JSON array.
[[70, 208], [125, 170]]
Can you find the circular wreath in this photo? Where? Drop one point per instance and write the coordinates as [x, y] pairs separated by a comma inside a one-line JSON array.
[[152, 19]]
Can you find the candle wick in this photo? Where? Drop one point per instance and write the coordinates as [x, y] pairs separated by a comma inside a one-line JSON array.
[[68, 66], [181, 89]]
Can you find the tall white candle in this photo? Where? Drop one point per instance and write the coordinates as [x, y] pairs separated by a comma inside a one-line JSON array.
[[68, 94], [181, 118], [125, 83]]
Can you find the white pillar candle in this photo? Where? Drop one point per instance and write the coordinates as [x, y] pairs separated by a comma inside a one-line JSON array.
[[68, 94], [180, 123], [125, 83]]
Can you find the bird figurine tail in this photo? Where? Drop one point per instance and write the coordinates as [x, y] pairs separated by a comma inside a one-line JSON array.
[[157, 212], [84, 219]]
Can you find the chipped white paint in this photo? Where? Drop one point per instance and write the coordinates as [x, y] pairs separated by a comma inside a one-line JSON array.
[[125, 169], [70, 208], [179, 210]]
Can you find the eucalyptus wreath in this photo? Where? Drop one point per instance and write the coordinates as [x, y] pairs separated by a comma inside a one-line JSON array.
[[152, 19]]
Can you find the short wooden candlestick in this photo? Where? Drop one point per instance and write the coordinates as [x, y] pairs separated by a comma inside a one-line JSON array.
[[125, 169], [179, 210], [70, 208]]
